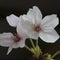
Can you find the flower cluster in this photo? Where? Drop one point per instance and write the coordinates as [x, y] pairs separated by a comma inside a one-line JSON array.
[[32, 26]]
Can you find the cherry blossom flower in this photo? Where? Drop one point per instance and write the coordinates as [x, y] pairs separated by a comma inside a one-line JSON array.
[[34, 26], [12, 41]]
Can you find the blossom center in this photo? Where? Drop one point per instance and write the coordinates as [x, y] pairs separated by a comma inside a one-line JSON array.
[[37, 27], [16, 38]]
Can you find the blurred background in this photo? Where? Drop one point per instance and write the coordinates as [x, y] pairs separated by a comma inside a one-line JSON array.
[[19, 7]]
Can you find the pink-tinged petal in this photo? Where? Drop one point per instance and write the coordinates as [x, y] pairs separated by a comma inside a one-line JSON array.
[[5, 35], [12, 20], [5, 39], [49, 22], [49, 37], [22, 43]]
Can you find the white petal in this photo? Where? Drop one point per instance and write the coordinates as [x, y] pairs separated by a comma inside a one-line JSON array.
[[20, 30], [26, 25], [22, 43], [15, 45], [29, 18], [49, 37], [49, 22], [33, 35], [12, 20], [5, 39], [6, 35], [9, 50], [38, 14], [35, 14]]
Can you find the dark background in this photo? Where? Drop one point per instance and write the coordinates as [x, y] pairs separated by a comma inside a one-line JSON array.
[[19, 7]]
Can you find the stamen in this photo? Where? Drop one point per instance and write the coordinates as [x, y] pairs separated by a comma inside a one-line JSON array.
[[16, 38], [37, 27]]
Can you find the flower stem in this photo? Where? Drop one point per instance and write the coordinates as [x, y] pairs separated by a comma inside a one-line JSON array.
[[36, 42], [58, 52], [28, 48], [32, 43]]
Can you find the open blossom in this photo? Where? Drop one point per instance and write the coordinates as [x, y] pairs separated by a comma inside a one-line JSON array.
[[34, 26], [13, 40]]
